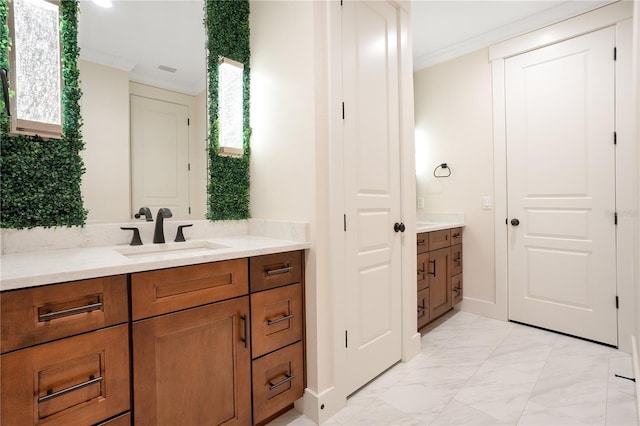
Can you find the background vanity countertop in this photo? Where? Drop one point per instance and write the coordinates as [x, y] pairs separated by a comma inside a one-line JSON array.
[[427, 222], [50, 264]]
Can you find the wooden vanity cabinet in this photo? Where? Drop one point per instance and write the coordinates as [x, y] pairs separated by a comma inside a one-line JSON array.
[[277, 324], [65, 353], [439, 273], [192, 358]]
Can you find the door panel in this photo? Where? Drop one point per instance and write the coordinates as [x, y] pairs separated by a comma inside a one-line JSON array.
[[372, 188], [159, 155], [561, 187]]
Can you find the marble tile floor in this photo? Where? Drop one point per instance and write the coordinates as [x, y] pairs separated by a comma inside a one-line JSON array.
[[479, 371]]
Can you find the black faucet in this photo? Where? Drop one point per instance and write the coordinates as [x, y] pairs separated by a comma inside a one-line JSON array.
[[158, 234], [146, 212]]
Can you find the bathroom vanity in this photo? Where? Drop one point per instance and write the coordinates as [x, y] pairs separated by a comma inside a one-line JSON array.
[[439, 269], [209, 337]]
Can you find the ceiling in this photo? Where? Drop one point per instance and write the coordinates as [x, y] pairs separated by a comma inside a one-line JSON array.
[[443, 30], [138, 36]]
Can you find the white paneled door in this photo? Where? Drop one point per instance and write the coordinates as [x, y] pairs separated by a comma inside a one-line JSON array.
[[561, 187], [372, 189], [159, 155]]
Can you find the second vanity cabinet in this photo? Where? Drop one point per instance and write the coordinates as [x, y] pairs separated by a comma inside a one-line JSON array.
[[439, 273]]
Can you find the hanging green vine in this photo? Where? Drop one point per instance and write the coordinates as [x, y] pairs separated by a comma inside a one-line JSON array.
[[40, 179], [227, 25]]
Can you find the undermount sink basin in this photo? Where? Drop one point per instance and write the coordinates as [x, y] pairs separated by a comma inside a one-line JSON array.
[[169, 248]]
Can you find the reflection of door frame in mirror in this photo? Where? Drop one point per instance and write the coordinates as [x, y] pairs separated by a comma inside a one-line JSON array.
[[196, 151]]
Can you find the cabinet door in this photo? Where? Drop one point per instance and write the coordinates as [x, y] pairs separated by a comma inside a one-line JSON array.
[[423, 308], [193, 367], [423, 271], [440, 297], [79, 380]]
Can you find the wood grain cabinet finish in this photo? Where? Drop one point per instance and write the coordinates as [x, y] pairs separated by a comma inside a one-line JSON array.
[[278, 380], [168, 290], [439, 273], [275, 270], [193, 367], [80, 380], [41, 314]]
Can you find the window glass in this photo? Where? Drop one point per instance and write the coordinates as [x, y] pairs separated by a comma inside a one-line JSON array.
[[36, 66]]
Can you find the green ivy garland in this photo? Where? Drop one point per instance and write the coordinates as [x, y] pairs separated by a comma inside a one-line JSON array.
[[227, 25], [40, 179]]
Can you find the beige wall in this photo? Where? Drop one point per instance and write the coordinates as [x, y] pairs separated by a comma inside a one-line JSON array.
[[453, 115], [105, 112]]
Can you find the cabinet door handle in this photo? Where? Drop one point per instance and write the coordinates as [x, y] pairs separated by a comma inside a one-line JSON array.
[[68, 312], [277, 320], [245, 339], [51, 395], [287, 379], [433, 262], [284, 270]]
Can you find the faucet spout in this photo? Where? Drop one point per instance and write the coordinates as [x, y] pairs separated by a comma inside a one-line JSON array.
[[158, 234]]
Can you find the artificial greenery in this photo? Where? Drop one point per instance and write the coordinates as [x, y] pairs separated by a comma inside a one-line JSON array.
[[40, 179], [227, 25]]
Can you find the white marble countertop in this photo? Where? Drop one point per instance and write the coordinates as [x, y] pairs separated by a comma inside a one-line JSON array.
[[436, 226], [33, 268], [427, 222]]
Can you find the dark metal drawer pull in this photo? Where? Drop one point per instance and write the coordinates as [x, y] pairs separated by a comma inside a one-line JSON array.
[[421, 310], [52, 395], [434, 267], [68, 312], [279, 271], [286, 379], [277, 320], [422, 243], [245, 339]]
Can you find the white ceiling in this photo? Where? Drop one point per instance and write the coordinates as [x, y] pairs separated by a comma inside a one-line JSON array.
[[140, 35], [445, 29]]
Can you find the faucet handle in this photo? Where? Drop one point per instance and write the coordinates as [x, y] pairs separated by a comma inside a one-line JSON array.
[[146, 212], [135, 239], [179, 234]]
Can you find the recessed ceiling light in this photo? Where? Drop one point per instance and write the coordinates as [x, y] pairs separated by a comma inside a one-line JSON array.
[[103, 3]]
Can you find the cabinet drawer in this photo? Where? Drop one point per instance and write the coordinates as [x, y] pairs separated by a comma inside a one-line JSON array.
[[439, 239], [456, 236], [423, 308], [275, 270], [277, 381], [79, 380], [41, 314], [422, 242], [123, 420], [168, 290], [456, 259], [423, 271], [276, 318], [456, 288]]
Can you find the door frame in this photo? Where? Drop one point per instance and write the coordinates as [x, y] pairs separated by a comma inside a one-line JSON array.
[[619, 15]]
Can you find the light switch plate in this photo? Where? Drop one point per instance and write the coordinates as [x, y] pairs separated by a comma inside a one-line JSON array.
[[420, 202], [486, 202]]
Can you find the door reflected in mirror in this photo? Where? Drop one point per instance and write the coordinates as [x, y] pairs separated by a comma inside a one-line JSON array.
[[143, 73]]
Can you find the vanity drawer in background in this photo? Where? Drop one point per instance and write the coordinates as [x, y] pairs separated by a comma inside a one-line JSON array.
[[278, 380], [422, 242], [456, 288], [423, 308], [456, 259], [41, 314], [423, 271], [80, 380], [168, 290], [456, 236], [275, 270], [439, 239], [276, 318]]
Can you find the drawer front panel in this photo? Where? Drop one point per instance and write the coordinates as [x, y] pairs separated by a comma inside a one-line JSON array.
[[41, 314], [123, 420], [439, 239], [74, 381], [423, 271], [456, 288], [422, 242], [456, 259], [277, 381], [168, 290], [275, 270], [423, 308], [456, 236], [276, 318]]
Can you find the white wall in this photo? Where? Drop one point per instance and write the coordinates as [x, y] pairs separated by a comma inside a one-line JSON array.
[[105, 112], [453, 104]]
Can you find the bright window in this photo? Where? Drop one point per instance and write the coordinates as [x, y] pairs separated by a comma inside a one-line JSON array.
[[36, 107]]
